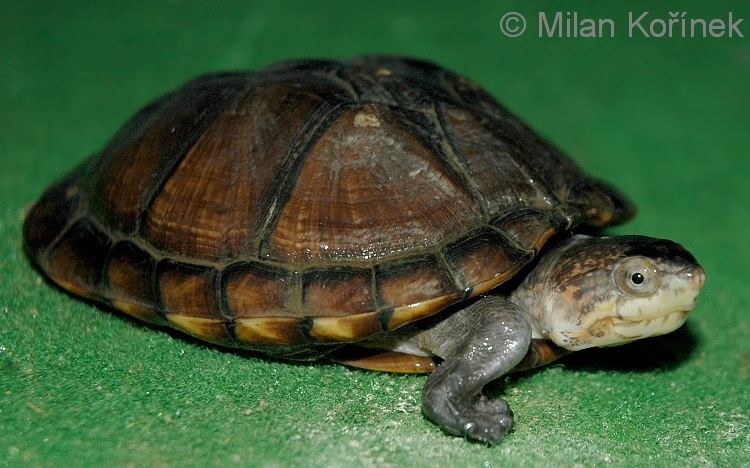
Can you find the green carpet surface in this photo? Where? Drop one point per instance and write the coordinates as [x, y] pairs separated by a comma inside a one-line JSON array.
[[666, 120]]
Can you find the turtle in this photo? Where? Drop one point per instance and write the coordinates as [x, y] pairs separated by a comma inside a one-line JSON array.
[[380, 211]]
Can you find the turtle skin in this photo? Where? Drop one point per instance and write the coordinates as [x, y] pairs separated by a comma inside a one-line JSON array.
[[309, 204]]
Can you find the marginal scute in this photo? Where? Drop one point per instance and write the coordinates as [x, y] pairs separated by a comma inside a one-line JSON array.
[[129, 282], [486, 259], [51, 214], [530, 229], [413, 280], [414, 288], [337, 292], [409, 313], [269, 330], [75, 261], [601, 203], [188, 290], [253, 289], [212, 330], [347, 328]]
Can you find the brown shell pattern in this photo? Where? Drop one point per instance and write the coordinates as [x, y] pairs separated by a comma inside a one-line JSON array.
[[312, 202]]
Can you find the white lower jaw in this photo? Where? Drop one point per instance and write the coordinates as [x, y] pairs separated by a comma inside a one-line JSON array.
[[633, 330], [616, 331]]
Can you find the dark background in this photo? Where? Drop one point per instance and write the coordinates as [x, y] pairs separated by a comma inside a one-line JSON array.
[[666, 120]]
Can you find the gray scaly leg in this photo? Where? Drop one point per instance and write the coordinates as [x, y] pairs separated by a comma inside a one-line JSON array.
[[479, 344]]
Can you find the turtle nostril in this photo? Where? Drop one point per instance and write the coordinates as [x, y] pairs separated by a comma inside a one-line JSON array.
[[697, 275], [702, 274]]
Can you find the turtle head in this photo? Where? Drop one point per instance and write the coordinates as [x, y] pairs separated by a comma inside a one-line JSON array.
[[605, 291]]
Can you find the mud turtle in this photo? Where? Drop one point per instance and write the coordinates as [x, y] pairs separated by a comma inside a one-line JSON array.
[[318, 203]]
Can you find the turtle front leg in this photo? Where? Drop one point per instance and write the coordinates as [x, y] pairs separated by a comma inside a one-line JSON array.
[[479, 344]]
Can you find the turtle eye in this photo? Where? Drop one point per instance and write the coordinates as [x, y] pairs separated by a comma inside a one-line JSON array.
[[637, 276], [637, 279]]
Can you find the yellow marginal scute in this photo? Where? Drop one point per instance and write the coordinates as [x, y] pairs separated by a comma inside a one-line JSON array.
[[543, 238], [345, 328], [268, 330], [136, 311], [72, 287], [484, 286], [412, 312], [209, 329]]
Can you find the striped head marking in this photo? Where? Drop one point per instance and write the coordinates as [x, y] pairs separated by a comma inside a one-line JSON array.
[[612, 290]]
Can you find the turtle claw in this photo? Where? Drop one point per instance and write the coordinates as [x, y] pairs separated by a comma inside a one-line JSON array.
[[487, 420]]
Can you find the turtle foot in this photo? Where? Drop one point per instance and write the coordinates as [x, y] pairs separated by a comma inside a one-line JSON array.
[[487, 420], [475, 417]]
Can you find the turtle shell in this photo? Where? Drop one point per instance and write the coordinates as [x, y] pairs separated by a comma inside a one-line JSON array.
[[312, 202]]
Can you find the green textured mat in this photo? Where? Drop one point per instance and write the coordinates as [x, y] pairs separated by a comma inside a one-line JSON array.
[[664, 119]]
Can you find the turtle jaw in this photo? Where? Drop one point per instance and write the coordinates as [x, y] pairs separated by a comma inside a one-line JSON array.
[[629, 330], [664, 312], [622, 318]]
